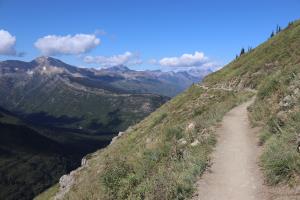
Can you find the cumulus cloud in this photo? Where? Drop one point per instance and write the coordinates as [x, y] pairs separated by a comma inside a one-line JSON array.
[[186, 60], [7, 43], [128, 58], [67, 45]]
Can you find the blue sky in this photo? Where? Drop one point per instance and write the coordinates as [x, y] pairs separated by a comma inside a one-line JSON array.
[[141, 33]]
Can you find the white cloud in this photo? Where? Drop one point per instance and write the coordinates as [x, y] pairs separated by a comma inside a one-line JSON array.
[[7, 43], [128, 58], [186, 60], [67, 45]]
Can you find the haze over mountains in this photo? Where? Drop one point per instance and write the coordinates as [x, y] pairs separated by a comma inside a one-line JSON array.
[[156, 82], [49, 88]]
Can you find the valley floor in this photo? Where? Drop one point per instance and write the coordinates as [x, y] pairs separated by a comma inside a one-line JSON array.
[[234, 174]]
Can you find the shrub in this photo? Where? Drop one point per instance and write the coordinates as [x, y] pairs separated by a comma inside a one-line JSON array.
[[264, 136], [114, 173], [280, 159], [268, 88]]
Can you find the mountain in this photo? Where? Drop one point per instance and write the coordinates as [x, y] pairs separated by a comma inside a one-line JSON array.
[[153, 82], [162, 156], [49, 92], [56, 113], [107, 100], [51, 115]]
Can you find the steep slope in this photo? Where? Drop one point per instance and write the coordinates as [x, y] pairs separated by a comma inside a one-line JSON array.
[[30, 161], [53, 122], [273, 69], [161, 157]]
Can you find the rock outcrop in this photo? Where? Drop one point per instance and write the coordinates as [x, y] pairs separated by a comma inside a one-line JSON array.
[[68, 180]]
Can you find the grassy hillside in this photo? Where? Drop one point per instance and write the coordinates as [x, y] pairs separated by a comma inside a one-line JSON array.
[[161, 156], [254, 67], [273, 69], [53, 121]]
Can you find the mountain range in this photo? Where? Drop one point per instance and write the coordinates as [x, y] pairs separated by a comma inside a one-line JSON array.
[[51, 92], [52, 114]]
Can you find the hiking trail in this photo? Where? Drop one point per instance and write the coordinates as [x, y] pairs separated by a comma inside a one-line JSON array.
[[234, 174]]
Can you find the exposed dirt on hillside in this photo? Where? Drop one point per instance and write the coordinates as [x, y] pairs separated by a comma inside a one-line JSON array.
[[234, 174]]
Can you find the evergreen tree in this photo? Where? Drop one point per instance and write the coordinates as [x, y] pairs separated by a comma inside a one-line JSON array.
[[278, 29], [242, 51]]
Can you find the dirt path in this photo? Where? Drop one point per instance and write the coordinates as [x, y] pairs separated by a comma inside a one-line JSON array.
[[234, 174]]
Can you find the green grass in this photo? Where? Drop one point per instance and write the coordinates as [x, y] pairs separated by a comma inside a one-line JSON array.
[[151, 161], [280, 160], [272, 69], [267, 59]]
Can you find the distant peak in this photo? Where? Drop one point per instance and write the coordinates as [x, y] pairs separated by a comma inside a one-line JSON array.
[[43, 57], [45, 60], [121, 68]]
